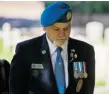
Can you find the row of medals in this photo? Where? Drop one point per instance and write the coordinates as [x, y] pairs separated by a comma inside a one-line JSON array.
[[79, 72]]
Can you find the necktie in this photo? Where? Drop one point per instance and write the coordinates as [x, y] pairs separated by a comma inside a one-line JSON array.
[[59, 72]]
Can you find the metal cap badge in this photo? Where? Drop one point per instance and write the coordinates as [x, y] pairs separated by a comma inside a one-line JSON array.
[[69, 15]]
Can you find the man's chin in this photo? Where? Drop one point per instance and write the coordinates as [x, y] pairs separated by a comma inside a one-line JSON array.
[[60, 42]]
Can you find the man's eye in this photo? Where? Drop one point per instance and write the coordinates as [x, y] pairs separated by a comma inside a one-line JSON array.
[[56, 29], [66, 29]]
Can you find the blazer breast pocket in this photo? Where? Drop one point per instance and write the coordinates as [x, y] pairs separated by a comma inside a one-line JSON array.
[[35, 73], [36, 69]]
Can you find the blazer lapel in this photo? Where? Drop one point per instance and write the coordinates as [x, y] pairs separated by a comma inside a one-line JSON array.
[[74, 55], [48, 74], [71, 58]]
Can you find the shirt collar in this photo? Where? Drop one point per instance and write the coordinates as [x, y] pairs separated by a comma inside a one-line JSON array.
[[53, 47]]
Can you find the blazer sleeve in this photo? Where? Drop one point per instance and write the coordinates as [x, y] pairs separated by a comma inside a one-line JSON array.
[[18, 73], [91, 71]]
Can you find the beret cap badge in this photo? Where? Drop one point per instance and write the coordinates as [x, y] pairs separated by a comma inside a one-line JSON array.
[[68, 16]]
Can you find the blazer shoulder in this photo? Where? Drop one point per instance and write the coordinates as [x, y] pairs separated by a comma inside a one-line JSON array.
[[82, 43], [28, 43]]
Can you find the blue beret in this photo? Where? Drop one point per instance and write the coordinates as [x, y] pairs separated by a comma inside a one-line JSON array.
[[56, 12]]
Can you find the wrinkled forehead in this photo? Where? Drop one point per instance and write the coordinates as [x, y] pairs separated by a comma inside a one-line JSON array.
[[61, 25]]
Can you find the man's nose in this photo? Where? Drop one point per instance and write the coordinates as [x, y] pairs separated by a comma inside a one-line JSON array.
[[62, 33]]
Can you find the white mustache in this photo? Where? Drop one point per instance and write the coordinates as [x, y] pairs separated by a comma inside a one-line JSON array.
[[64, 37]]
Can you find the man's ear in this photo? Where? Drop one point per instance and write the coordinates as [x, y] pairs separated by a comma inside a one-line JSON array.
[[43, 28]]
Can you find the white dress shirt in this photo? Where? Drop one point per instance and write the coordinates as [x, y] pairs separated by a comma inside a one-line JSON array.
[[64, 54]]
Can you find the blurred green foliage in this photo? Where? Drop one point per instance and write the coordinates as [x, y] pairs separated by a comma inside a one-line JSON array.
[[87, 6], [1, 45], [100, 83], [5, 53]]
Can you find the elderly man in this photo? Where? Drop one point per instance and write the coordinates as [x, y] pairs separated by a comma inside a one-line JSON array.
[[53, 63]]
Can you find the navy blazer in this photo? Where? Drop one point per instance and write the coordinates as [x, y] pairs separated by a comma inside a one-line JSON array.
[[26, 78], [4, 76]]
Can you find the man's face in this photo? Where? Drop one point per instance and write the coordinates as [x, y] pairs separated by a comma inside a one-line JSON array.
[[58, 32]]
